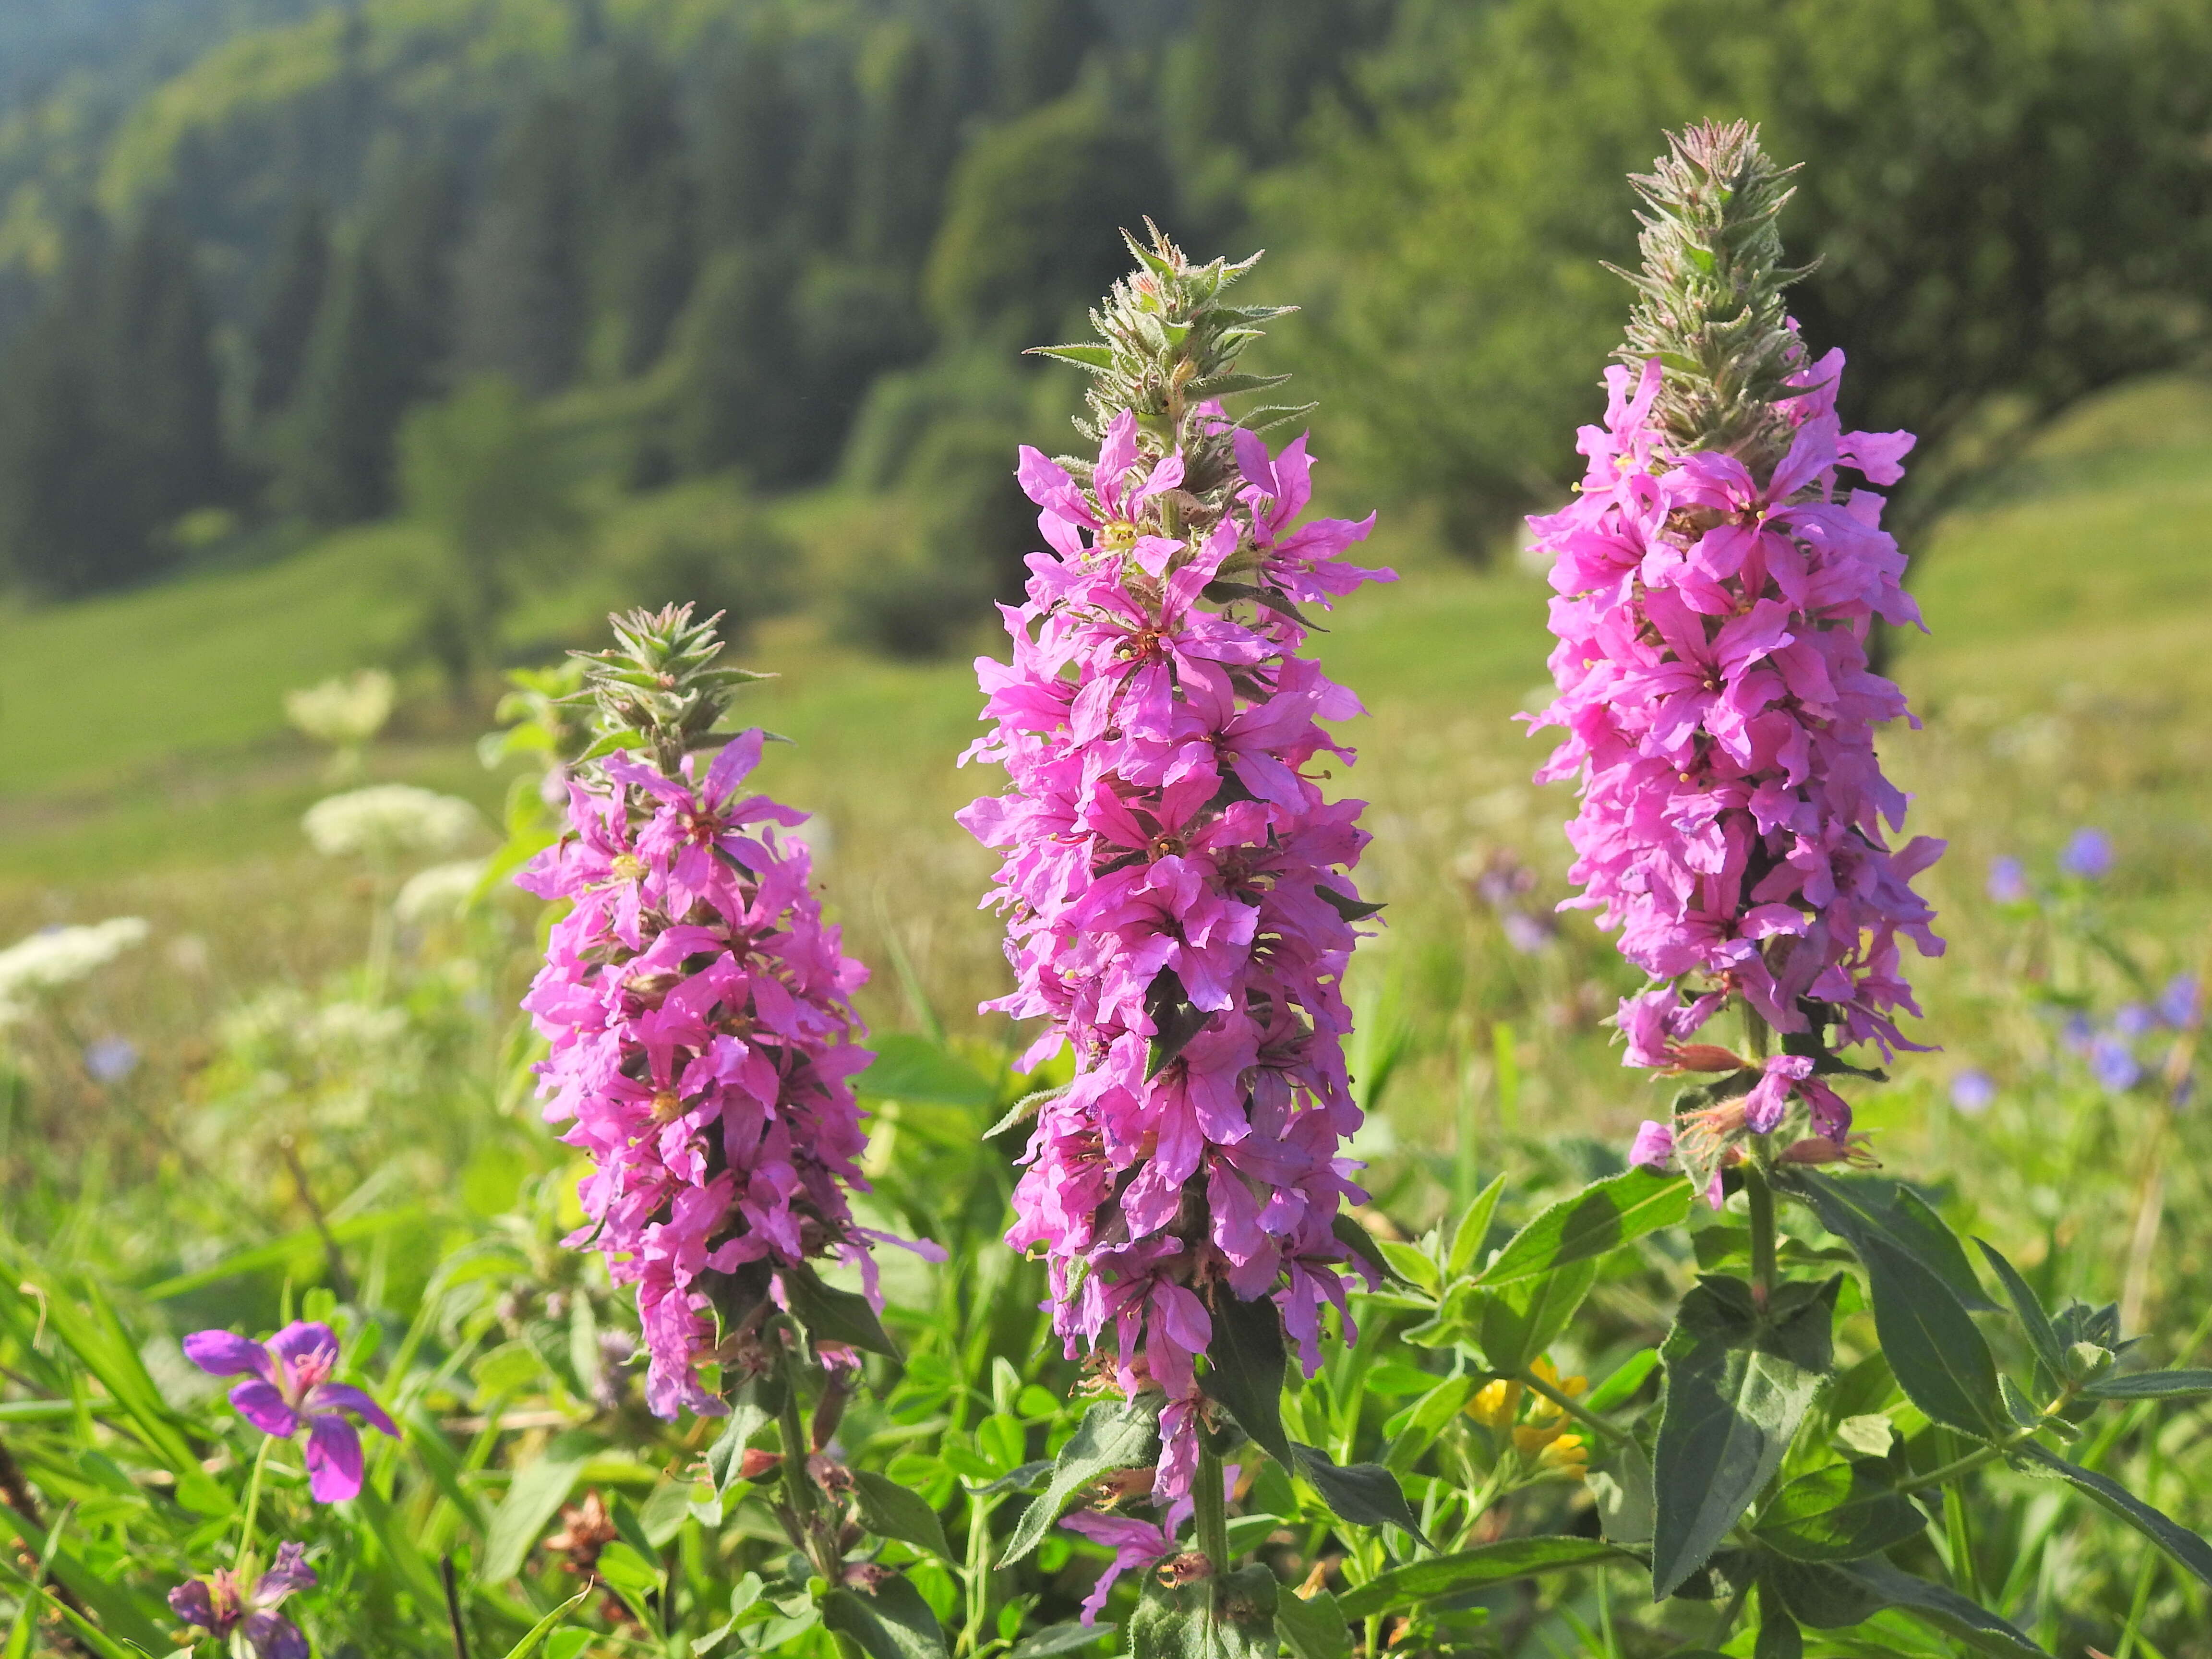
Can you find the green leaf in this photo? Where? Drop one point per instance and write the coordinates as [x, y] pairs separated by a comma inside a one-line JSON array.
[[1600, 1217], [2184, 1546], [891, 1510], [1025, 1109], [1410, 1263], [1945, 1609], [834, 1315], [1246, 1362], [1778, 1635], [89, 1635], [535, 1495], [1623, 1492], [1472, 1570], [1516, 1321], [1096, 358], [1114, 1434], [1313, 1627], [1362, 1243], [1618, 1389], [1473, 1228], [534, 1638], [747, 1418], [1938, 1353], [1868, 1203], [912, 1068], [1366, 1494], [893, 1623], [2151, 1385], [1425, 1420], [1178, 1622], [631, 1575], [1845, 1512], [1739, 1383], [1057, 1638], [2029, 1308], [1351, 909], [96, 1590]]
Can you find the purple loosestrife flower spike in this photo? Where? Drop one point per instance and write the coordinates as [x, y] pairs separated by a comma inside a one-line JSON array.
[[218, 1605], [1716, 577], [700, 1015], [1175, 882], [287, 1390]]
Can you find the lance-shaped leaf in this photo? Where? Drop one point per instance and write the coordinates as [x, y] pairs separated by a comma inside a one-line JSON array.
[[1600, 1217], [1939, 1355], [1739, 1383], [1114, 1434], [893, 1622], [834, 1315], [1778, 1635], [2184, 1546], [726, 1457], [2151, 1385], [1517, 1321], [1473, 1228], [1246, 1363], [1845, 1512], [1869, 1204], [1474, 1570], [2028, 1307], [891, 1510], [1059, 1639], [1832, 1597], [1365, 1493], [1312, 1627]]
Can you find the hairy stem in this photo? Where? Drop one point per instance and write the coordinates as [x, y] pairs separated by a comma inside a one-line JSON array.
[[1212, 1511], [1760, 1197], [1582, 1414], [243, 1560]]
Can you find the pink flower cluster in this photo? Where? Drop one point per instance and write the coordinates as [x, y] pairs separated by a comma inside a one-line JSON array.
[[703, 1043], [1719, 717], [1177, 909]]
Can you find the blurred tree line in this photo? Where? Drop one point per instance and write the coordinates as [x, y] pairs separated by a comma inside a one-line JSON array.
[[808, 242], [803, 243]]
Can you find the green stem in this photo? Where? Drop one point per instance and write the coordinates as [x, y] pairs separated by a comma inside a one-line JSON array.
[[798, 1484], [243, 1560], [1212, 1511], [1957, 1467], [1964, 1577], [1729, 1615], [1760, 1197], [978, 1573], [1581, 1413]]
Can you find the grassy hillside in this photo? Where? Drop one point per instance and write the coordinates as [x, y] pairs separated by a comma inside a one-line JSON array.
[[144, 765]]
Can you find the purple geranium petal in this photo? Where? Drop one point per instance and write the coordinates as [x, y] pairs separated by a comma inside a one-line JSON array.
[[2088, 855], [194, 1603], [333, 1459], [274, 1636], [226, 1353], [289, 1572], [260, 1404], [344, 1397], [308, 1340]]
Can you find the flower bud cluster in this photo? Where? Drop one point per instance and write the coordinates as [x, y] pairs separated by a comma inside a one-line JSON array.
[[1174, 879], [702, 1038], [1715, 591]]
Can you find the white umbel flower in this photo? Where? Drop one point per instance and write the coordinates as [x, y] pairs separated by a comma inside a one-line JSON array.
[[62, 956], [387, 820], [440, 893]]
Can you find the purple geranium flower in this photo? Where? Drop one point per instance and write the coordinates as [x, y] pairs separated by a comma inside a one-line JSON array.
[[288, 1388], [2114, 1064], [2177, 1004], [1973, 1092], [216, 1605], [2088, 855], [2007, 881]]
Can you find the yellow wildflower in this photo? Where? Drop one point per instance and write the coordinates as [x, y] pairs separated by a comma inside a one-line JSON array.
[[1496, 1404], [1569, 1454]]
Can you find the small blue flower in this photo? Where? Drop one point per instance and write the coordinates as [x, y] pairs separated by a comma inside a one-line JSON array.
[[2177, 1004], [2114, 1064], [2088, 855], [2007, 881], [1973, 1092], [2133, 1020], [110, 1058]]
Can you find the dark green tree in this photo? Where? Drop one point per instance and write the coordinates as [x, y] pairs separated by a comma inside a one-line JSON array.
[[640, 202], [65, 527], [1033, 217], [739, 367], [159, 382], [909, 137], [1042, 51], [524, 298], [753, 144], [336, 456], [293, 296]]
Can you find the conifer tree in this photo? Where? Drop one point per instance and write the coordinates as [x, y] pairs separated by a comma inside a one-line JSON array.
[[294, 295], [1041, 53], [754, 135], [641, 200], [524, 304], [338, 449], [908, 138], [159, 382]]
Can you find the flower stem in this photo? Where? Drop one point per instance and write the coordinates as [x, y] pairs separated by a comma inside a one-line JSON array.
[[1212, 1511], [1760, 1197], [798, 1484], [243, 1561], [1582, 1414]]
